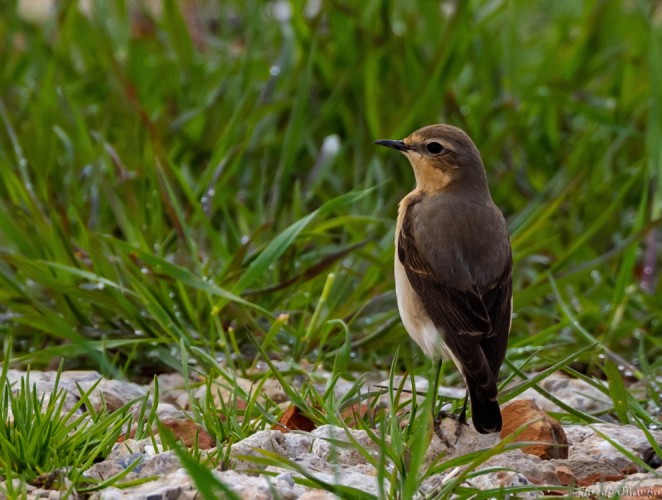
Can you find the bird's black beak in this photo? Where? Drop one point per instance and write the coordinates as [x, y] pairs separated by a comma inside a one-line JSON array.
[[399, 145]]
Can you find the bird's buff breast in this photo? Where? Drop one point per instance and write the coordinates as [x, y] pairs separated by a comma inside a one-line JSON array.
[[416, 321], [414, 317]]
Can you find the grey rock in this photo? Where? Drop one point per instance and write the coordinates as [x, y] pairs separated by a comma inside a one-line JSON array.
[[421, 385], [636, 485], [160, 464], [223, 393], [531, 467], [573, 392], [175, 485], [337, 456], [502, 479], [290, 445], [324, 447], [249, 487], [356, 480], [453, 439], [110, 493], [16, 486], [590, 471], [133, 446], [44, 383], [326, 453], [167, 410], [317, 495], [588, 444], [114, 393], [433, 486], [171, 387], [287, 477]]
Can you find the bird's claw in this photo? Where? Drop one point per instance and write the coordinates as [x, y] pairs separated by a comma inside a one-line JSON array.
[[461, 420]]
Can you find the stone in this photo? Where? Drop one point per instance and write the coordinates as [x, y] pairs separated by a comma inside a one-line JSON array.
[[44, 383], [324, 447], [318, 495], [565, 475], [171, 387], [592, 459], [319, 452], [447, 443], [540, 428], [363, 383], [17, 486], [167, 410], [110, 493], [573, 392], [158, 464], [421, 384], [132, 446], [224, 393], [260, 487], [336, 455], [289, 445], [114, 394], [634, 487], [588, 472], [176, 485], [588, 444], [359, 481], [534, 469], [502, 479], [272, 389]]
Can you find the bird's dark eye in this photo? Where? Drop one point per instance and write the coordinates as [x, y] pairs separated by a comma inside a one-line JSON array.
[[434, 148]]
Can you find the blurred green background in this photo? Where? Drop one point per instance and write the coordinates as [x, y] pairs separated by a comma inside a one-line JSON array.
[[174, 177]]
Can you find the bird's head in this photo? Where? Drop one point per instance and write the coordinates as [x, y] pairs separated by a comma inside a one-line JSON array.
[[442, 157]]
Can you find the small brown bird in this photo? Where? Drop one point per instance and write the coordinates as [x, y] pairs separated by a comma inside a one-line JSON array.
[[453, 269]]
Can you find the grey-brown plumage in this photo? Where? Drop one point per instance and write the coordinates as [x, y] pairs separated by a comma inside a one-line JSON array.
[[453, 263]]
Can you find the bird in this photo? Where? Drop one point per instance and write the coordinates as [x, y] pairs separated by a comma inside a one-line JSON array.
[[453, 265]]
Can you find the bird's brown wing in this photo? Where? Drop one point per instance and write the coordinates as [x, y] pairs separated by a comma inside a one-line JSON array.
[[498, 301], [450, 308]]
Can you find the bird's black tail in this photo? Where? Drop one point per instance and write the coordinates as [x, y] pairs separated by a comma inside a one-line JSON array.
[[485, 411]]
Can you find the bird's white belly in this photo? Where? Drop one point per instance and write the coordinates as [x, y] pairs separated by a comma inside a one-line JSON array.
[[414, 317]]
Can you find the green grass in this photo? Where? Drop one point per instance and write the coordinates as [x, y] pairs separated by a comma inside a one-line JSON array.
[[166, 202], [42, 441]]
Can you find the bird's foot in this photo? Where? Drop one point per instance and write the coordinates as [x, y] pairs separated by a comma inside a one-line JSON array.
[[440, 434], [460, 420]]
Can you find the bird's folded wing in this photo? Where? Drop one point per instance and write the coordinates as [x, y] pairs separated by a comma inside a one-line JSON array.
[[451, 309], [498, 300]]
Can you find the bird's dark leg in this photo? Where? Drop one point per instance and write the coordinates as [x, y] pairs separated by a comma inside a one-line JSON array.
[[461, 420], [435, 386], [438, 417], [462, 417], [463, 414]]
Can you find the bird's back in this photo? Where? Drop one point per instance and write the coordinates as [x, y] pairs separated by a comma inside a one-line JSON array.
[[468, 243]]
